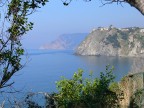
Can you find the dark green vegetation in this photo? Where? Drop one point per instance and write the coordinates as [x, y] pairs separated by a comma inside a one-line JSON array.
[[87, 92], [113, 39]]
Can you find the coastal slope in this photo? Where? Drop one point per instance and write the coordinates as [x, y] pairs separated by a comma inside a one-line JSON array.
[[127, 42]]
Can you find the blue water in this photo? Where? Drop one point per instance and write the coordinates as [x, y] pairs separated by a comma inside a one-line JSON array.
[[43, 68]]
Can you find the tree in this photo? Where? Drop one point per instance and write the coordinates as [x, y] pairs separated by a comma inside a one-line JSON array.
[[10, 45], [138, 4]]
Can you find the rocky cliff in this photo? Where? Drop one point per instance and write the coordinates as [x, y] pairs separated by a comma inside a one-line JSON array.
[[66, 42], [113, 42]]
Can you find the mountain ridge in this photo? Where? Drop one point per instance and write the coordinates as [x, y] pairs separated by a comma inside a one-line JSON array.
[[66, 41]]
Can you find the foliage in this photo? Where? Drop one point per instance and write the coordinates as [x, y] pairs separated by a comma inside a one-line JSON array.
[[137, 99], [124, 34], [88, 92], [141, 39], [114, 87], [113, 39], [10, 45]]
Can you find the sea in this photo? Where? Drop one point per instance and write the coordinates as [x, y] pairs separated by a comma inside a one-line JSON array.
[[43, 68]]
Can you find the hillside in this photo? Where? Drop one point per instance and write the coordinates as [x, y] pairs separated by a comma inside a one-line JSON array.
[[66, 42], [113, 42]]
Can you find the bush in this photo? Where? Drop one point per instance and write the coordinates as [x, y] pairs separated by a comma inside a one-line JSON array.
[[89, 92]]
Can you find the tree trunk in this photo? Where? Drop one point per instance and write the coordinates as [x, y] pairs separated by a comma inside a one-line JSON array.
[[138, 4]]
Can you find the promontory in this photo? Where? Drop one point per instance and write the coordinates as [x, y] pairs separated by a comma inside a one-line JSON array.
[[111, 41]]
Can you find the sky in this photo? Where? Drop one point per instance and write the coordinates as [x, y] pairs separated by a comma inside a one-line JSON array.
[[55, 19]]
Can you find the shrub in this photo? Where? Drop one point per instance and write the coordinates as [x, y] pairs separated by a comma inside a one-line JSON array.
[[87, 92]]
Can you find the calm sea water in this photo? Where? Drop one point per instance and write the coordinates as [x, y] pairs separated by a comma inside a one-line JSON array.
[[43, 68]]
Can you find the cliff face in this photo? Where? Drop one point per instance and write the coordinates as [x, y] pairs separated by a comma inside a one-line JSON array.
[[66, 42], [113, 42]]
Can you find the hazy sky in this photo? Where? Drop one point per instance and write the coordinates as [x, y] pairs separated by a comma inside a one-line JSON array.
[[79, 17]]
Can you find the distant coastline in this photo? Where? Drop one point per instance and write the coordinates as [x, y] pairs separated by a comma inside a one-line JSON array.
[[65, 42]]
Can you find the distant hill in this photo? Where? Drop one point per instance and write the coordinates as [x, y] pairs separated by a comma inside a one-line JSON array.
[[114, 42], [66, 42]]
